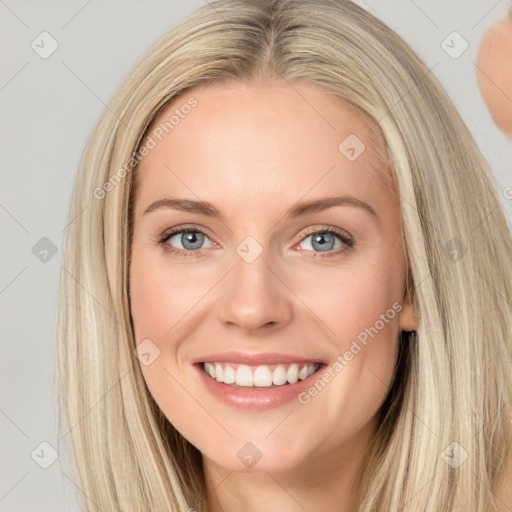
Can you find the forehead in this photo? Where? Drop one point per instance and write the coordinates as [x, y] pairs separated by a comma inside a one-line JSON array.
[[247, 139]]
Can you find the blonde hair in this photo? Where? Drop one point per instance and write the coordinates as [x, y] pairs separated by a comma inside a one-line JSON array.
[[454, 383]]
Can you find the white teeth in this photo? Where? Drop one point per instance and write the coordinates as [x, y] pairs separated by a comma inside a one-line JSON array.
[[303, 372], [260, 376], [210, 369], [244, 376], [279, 375], [292, 375], [229, 375], [219, 372]]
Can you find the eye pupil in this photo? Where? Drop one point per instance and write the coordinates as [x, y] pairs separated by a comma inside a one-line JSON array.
[[318, 239], [195, 238]]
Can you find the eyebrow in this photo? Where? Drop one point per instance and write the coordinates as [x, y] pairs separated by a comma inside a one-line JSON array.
[[300, 209]]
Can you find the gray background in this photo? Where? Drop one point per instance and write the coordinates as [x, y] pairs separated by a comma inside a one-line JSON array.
[[48, 109]]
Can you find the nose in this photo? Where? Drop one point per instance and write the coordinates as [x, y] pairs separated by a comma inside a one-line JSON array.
[[255, 296]]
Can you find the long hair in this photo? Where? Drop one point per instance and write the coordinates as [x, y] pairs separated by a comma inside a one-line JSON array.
[[445, 433]]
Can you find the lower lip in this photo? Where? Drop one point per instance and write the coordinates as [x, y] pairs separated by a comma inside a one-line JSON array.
[[255, 398]]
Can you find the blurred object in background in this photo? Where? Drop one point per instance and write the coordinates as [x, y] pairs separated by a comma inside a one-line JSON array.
[[494, 72]]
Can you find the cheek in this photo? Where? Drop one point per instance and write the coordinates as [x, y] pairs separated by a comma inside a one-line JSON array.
[[362, 312], [151, 307], [352, 301], [160, 300], [156, 307], [161, 295]]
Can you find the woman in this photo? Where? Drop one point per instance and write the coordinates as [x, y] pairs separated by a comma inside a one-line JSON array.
[[215, 352]]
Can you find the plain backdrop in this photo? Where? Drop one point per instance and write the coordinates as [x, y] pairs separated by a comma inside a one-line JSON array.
[[49, 105]]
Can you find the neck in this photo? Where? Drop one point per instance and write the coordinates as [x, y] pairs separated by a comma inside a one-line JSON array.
[[328, 480]]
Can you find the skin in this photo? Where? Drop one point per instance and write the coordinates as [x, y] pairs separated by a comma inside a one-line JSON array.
[[494, 73], [254, 150]]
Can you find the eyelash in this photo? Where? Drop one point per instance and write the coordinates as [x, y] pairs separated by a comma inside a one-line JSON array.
[[347, 241]]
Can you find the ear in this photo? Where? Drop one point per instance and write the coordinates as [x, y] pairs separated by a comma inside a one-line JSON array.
[[409, 317]]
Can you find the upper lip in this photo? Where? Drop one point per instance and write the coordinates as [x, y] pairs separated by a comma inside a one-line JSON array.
[[253, 358]]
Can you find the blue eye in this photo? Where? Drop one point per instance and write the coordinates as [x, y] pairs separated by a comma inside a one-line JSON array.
[[192, 238], [322, 241]]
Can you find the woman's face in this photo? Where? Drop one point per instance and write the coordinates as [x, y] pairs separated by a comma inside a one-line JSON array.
[[266, 287]]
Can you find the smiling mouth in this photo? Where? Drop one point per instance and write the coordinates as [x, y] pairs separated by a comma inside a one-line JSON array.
[[261, 376]]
